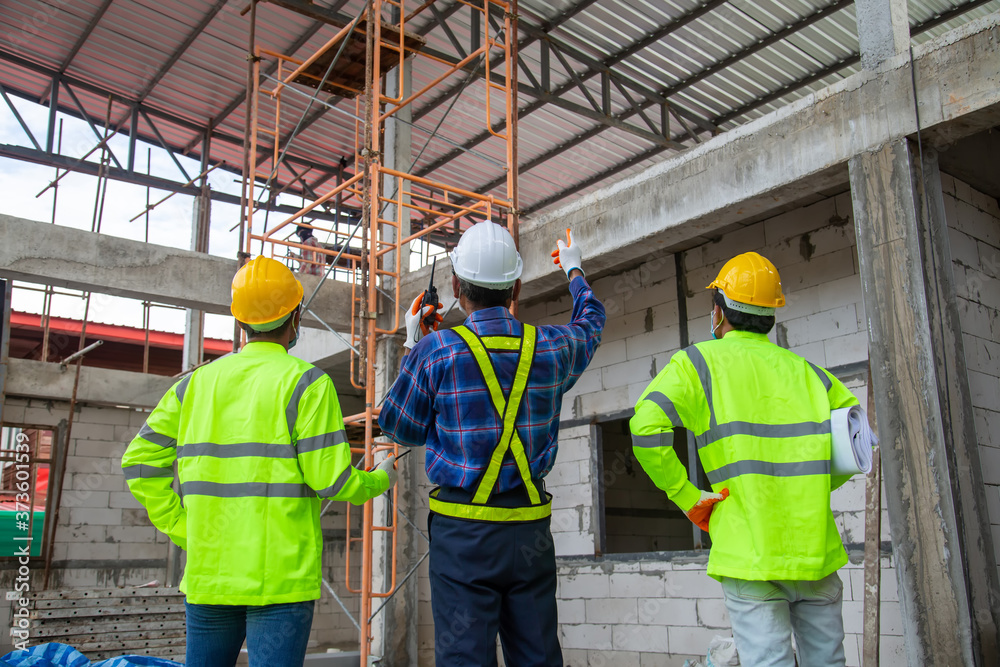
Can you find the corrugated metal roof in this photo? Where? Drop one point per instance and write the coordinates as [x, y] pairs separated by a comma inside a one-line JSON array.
[[718, 63]]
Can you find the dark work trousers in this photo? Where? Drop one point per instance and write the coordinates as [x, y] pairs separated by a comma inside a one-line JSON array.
[[488, 578]]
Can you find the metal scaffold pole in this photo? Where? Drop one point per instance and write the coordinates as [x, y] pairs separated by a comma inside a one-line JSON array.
[[371, 255]]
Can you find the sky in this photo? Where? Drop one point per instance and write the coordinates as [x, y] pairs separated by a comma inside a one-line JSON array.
[[169, 224]]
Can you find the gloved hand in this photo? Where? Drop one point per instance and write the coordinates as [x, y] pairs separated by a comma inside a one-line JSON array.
[[415, 327], [702, 510], [389, 466], [568, 255]]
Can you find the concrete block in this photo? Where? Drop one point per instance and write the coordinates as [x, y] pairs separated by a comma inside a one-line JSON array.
[[92, 551], [89, 516], [852, 650], [98, 448], [624, 374], [132, 550], [85, 499], [819, 270], [643, 638], [642, 298], [814, 352], [82, 534], [636, 585], [985, 390], [712, 613], [691, 584], [44, 416], [657, 270], [13, 413], [573, 544], [977, 223], [667, 611], [572, 611], [612, 610], [964, 248], [690, 639], [653, 342], [892, 651], [847, 349], [104, 416], [94, 481], [853, 612], [584, 586], [604, 402], [586, 636], [137, 534], [821, 326], [563, 473], [612, 352], [133, 518], [123, 499], [665, 660], [572, 657], [989, 259]]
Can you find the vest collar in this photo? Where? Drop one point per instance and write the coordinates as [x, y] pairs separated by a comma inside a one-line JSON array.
[[746, 335], [259, 347]]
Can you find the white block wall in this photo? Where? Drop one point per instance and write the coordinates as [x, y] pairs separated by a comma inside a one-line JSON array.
[[974, 233]]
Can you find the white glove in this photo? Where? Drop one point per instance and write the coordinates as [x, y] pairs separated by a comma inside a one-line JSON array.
[[389, 466], [415, 329], [568, 255]]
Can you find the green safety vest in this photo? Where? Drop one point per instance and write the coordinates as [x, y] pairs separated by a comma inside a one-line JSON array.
[[259, 439], [761, 420], [507, 408]]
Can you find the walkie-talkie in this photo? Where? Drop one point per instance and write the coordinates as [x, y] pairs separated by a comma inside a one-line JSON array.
[[430, 299]]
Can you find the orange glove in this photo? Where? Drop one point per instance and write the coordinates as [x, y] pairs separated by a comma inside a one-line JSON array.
[[702, 511], [415, 320]]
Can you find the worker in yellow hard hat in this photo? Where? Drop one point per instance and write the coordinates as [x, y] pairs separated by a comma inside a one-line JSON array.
[[259, 440], [760, 415]]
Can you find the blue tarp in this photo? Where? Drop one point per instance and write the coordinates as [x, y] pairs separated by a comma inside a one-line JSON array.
[[61, 655]]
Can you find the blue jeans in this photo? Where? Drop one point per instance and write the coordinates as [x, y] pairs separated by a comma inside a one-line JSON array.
[[764, 614], [276, 634]]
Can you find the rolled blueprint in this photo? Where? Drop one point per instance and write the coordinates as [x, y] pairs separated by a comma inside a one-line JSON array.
[[853, 441]]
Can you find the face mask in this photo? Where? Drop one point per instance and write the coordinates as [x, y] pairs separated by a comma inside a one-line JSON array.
[[714, 326]]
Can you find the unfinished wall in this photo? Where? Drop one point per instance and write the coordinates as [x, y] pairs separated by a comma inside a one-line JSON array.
[[612, 609], [974, 233]]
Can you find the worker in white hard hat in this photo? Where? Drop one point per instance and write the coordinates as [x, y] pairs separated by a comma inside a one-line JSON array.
[[485, 399]]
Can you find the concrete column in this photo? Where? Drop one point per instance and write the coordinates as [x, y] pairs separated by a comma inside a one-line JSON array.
[[883, 30], [5, 294], [940, 533], [194, 325], [395, 628]]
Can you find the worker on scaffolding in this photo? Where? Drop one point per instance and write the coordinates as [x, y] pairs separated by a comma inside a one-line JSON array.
[[761, 419], [485, 398], [259, 440], [310, 261]]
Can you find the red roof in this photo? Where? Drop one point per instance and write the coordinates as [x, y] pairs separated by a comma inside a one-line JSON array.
[[115, 332]]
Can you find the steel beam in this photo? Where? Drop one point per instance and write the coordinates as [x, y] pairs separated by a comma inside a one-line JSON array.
[[85, 35], [114, 173]]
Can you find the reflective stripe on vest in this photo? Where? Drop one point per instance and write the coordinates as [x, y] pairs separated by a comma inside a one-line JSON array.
[[507, 409]]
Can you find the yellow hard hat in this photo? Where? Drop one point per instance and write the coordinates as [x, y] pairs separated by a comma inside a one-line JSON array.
[[751, 280], [265, 292]]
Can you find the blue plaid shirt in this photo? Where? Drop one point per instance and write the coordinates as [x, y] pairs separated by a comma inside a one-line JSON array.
[[441, 400]]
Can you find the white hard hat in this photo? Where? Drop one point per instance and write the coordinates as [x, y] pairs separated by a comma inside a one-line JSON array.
[[486, 256]]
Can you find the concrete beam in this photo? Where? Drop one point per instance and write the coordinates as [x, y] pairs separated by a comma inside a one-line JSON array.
[[47, 254], [775, 160], [98, 386]]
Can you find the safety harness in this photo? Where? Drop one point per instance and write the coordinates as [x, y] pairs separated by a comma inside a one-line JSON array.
[[479, 509]]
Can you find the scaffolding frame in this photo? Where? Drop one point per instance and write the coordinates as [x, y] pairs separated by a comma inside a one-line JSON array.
[[376, 259]]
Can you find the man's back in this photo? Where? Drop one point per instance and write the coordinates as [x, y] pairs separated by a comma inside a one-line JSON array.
[[761, 419], [257, 435]]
